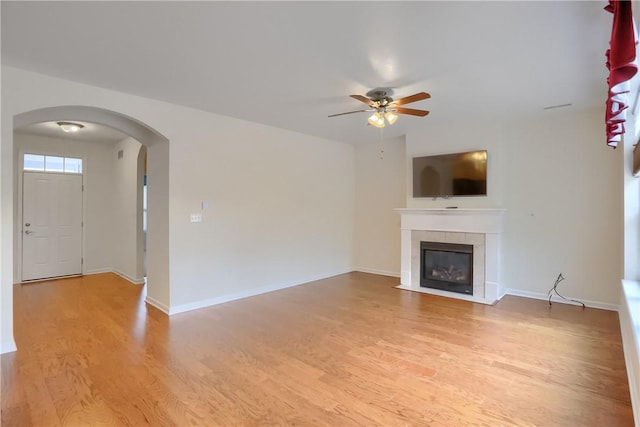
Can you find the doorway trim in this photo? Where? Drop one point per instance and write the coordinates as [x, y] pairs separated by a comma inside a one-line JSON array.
[[20, 200], [158, 156]]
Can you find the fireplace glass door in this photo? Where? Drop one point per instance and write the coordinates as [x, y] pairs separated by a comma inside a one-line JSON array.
[[447, 266]]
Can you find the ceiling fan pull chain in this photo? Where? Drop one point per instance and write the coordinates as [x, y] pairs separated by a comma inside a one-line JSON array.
[[381, 143]]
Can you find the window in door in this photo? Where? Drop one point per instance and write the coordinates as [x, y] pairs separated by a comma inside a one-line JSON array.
[[43, 163]]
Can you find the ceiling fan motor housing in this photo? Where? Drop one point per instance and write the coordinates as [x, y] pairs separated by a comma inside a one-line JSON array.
[[382, 96]]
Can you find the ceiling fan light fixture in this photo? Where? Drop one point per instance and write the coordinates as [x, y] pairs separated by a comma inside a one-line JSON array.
[[70, 127], [391, 117], [380, 122], [376, 120]]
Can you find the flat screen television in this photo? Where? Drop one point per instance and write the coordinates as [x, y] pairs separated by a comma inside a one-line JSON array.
[[449, 175]]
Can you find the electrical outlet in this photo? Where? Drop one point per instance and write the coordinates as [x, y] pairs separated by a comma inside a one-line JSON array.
[[196, 218]]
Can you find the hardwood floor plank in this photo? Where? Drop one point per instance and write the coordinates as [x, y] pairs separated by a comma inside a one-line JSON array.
[[348, 350], [17, 416]]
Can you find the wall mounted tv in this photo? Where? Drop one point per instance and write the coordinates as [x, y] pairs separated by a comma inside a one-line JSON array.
[[449, 175]]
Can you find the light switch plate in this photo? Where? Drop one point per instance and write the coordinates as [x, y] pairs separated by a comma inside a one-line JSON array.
[[196, 217]]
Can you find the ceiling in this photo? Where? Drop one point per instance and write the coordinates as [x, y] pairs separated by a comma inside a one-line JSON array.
[[91, 131], [291, 64]]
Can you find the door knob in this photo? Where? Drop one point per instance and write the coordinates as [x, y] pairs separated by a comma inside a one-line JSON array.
[[29, 232], [28, 224]]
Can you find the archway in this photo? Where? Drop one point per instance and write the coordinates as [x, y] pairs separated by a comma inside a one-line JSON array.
[[157, 171]]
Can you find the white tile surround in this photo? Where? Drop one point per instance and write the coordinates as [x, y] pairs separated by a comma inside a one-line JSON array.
[[478, 227]]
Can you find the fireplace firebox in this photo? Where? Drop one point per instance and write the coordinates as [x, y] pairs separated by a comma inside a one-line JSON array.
[[446, 266]]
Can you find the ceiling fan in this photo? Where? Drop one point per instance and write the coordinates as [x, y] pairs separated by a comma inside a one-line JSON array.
[[385, 109]]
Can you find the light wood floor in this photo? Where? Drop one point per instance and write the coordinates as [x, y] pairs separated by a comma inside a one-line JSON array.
[[345, 351]]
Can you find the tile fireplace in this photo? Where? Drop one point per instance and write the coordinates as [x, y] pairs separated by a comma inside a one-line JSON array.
[[473, 273]]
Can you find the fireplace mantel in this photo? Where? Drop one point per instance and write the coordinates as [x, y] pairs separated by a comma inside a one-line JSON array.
[[480, 227], [458, 219]]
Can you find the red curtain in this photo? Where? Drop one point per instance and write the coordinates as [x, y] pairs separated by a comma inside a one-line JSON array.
[[622, 65]]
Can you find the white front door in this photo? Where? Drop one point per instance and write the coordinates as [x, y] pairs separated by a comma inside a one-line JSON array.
[[51, 225]]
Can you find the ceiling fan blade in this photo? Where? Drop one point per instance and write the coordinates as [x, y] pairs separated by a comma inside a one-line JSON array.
[[411, 111], [363, 99], [411, 98], [349, 112]]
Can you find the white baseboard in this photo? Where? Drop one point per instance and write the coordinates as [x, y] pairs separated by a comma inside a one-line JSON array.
[[8, 346], [248, 293], [629, 315], [98, 271], [378, 272], [135, 281], [157, 304], [556, 299]]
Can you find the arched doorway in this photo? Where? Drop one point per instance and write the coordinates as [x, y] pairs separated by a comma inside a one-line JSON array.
[[156, 158]]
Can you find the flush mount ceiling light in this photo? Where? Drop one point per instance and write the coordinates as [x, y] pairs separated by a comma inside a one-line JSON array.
[[70, 127]]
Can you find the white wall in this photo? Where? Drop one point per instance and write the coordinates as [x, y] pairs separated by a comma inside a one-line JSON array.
[[7, 342], [98, 201], [125, 191], [564, 208], [380, 188], [560, 186], [282, 208]]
